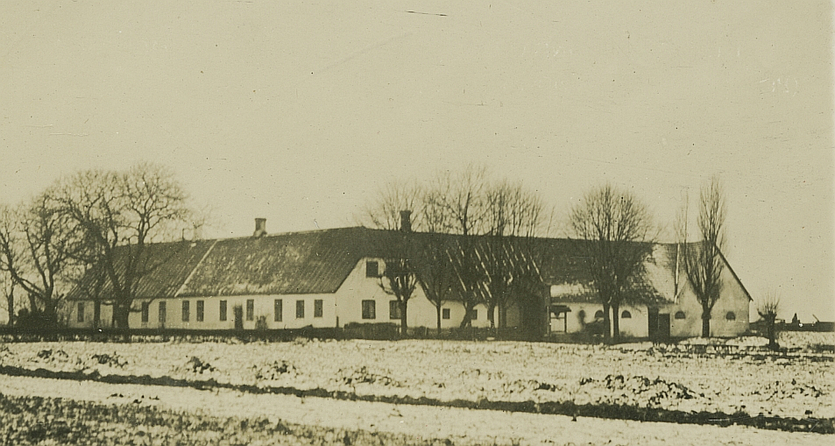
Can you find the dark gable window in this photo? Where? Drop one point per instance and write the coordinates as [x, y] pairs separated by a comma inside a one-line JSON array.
[[200, 310], [162, 312], [222, 310], [369, 309], [445, 313], [372, 268], [186, 310], [474, 314], [250, 309], [278, 310], [145, 312], [680, 315], [626, 315], [730, 316], [318, 308], [299, 309], [80, 312]]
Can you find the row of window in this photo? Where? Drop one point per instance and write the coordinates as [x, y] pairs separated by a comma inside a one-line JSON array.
[[599, 314], [369, 310], [223, 315], [731, 316]]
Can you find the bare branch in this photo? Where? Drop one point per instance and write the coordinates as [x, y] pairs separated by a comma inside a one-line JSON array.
[[616, 229]]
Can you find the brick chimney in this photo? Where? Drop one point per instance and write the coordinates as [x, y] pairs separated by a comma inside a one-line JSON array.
[[260, 227], [406, 221]]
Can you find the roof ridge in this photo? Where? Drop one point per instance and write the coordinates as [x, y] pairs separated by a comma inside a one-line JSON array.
[[193, 270]]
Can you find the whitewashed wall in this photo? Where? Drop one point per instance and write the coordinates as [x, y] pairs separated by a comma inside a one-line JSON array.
[[582, 313], [733, 300], [420, 312]]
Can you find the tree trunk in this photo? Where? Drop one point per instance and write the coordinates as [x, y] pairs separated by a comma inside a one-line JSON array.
[[438, 315], [33, 303], [10, 303], [615, 322], [491, 315], [607, 324], [467, 320], [771, 322], [404, 329], [96, 313], [121, 314], [50, 314], [705, 324]]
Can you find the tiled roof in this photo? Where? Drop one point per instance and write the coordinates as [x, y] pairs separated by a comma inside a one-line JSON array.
[[166, 266], [317, 262], [293, 263]]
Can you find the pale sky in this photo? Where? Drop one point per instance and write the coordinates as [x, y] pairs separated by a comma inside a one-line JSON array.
[[299, 112]]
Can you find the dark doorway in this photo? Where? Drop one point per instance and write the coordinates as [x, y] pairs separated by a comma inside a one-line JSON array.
[[239, 317], [664, 325], [659, 325]]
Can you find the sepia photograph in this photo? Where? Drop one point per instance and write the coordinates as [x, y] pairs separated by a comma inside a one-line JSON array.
[[409, 222]]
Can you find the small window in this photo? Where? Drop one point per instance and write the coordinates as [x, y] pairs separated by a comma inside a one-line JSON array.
[[369, 309], [145, 311], [250, 309], [474, 314], [680, 315], [162, 311], [730, 316], [394, 309], [299, 309], [372, 268], [80, 312], [445, 313], [222, 310], [186, 311], [318, 308], [200, 310], [626, 315], [598, 314], [278, 310]]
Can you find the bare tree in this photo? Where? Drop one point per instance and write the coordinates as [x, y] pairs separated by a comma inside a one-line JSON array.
[[469, 276], [434, 273], [120, 213], [384, 211], [513, 212], [36, 250], [463, 198], [703, 261], [615, 228], [484, 213], [768, 308], [434, 253], [7, 285], [399, 278]]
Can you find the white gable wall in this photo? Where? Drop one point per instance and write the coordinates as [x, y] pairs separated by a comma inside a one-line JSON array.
[[733, 300]]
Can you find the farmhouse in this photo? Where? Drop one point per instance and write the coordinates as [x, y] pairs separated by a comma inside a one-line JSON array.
[[332, 277], [667, 309]]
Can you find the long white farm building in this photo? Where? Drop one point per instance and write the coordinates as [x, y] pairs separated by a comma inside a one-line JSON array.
[[330, 278]]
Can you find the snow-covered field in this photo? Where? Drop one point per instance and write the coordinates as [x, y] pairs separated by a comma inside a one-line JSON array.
[[126, 414], [735, 376]]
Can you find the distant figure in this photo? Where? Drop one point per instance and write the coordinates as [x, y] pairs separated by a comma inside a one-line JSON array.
[[795, 320]]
